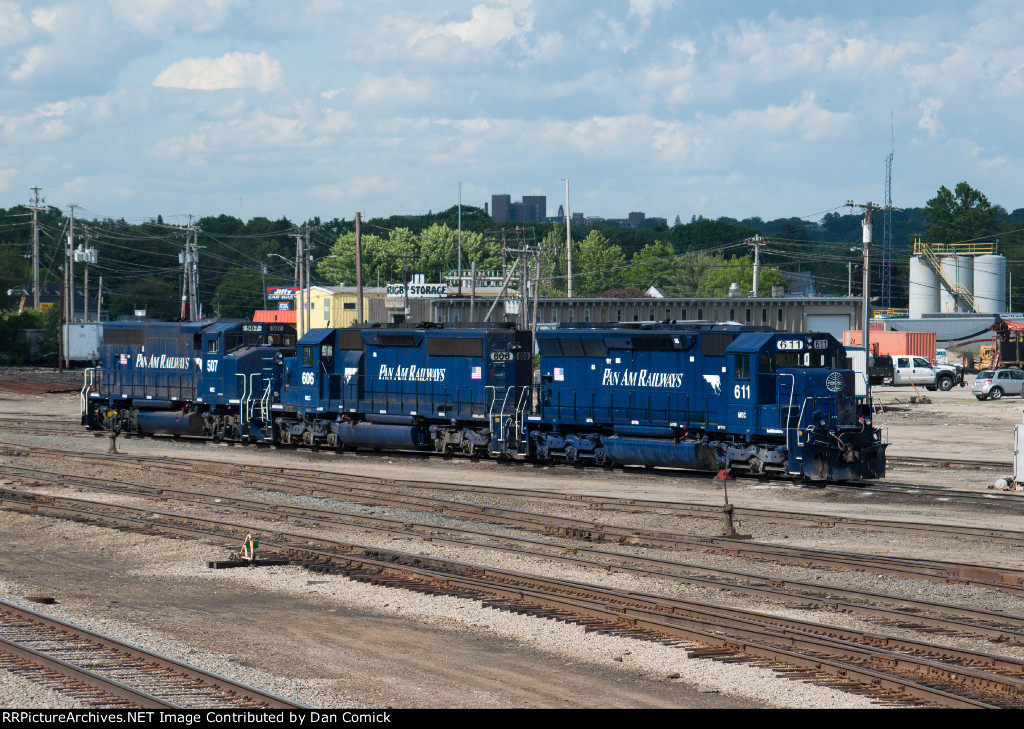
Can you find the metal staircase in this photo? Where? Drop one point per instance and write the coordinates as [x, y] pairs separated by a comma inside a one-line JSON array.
[[931, 253]]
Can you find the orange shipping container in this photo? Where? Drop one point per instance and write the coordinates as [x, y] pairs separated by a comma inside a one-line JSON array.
[[919, 344]]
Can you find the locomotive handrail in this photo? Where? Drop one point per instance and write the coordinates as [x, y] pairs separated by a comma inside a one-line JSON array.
[[242, 399], [265, 403], [87, 384], [252, 393]]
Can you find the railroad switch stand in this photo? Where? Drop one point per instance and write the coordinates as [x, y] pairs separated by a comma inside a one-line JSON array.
[[246, 557], [248, 551], [114, 430], [730, 530]]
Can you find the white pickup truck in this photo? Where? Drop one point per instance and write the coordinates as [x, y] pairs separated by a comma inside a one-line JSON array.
[[905, 369]]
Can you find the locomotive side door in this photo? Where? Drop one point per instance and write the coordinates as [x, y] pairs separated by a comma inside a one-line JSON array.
[[741, 392]]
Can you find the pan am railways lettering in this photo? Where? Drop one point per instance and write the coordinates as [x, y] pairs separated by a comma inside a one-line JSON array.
[[162, 362], [412, 373], [642, 378]]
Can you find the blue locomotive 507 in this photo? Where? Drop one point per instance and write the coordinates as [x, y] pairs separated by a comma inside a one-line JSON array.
[[705, 398]]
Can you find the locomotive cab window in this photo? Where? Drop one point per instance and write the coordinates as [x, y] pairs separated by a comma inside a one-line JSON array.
[[308, 356], [213, 346], [742, 366], [326, 354], [232, 342]]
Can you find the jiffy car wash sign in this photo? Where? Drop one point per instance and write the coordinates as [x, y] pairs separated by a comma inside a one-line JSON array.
[[281, 293]]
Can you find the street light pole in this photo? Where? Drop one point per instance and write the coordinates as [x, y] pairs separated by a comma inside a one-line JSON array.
[[867, 225]]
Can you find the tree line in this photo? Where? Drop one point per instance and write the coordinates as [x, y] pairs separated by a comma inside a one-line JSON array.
[[139, 262]]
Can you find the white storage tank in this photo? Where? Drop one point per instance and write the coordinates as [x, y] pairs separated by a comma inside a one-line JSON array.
[[990, 284], [959, 272], [924, 288]]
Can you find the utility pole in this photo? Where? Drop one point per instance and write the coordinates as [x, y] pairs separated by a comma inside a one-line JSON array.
[[359, 270], [460, 238], [518, 244], [299, 319], [85, 284], [71, 265], [867, 224], [568, 236], [757, 241], [35, 246], [472, 291], [309, 289]]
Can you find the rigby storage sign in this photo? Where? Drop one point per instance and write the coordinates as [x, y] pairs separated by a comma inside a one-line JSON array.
[[419, 291]]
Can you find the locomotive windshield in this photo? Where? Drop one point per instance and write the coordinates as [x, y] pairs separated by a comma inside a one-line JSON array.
[[772, 361]]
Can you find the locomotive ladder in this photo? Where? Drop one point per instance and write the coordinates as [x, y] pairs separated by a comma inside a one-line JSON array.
[[504, 417]]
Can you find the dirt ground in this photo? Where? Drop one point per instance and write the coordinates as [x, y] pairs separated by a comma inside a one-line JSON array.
[[375, 658]]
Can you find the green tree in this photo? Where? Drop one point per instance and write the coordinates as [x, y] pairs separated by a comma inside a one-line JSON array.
[[963, 214], [240, 293], [740, 270], [597, 265], [653, 265]]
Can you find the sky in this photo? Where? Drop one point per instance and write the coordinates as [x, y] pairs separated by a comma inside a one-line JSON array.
[[138, 108]]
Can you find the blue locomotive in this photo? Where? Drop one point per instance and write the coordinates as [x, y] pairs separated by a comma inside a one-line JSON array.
[[703, 398], [700, 397], [209, 379]]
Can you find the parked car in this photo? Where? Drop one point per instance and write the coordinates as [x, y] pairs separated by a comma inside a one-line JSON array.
[[993, 384]]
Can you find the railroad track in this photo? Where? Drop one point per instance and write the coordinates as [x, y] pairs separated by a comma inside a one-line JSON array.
[[1003, 579], [912, 669], [101, 671], [273, 478], [290, 478], [564, 547]]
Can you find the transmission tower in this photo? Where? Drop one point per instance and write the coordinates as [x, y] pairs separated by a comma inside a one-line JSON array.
[[886, 283], [887, 248]]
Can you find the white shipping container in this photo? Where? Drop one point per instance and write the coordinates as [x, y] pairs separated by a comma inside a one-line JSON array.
[[83, 341]]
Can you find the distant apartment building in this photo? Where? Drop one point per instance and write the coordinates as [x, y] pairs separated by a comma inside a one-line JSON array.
[[531, 209]]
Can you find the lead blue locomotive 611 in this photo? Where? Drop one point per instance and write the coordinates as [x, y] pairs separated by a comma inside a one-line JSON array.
[[698, 397]]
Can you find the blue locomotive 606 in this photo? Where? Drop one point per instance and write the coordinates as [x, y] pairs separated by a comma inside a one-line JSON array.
[[698, 397]]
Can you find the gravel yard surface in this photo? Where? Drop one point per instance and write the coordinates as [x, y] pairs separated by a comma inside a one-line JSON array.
[[330, 642]]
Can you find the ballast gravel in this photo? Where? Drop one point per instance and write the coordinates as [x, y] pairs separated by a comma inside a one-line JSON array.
[[185, 562]]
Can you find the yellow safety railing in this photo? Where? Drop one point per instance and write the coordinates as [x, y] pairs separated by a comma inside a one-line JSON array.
[[931, 252], [890, 313]]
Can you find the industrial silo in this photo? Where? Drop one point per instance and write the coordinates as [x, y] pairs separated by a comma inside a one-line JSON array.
[[959, 273], [990, 284], [924, 288]]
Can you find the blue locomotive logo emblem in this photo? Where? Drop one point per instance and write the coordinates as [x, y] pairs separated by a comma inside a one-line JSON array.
[[834, 382]]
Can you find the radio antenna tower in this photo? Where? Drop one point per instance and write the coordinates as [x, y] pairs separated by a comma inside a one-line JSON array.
[[887, 227]]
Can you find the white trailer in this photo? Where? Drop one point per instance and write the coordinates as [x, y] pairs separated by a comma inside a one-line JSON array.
[[83, 341]]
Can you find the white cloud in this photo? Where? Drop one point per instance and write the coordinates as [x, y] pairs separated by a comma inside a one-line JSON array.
[[396, 90], [46, 18], [230, 71], [163, 16], [928, 122], [487, 28]]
